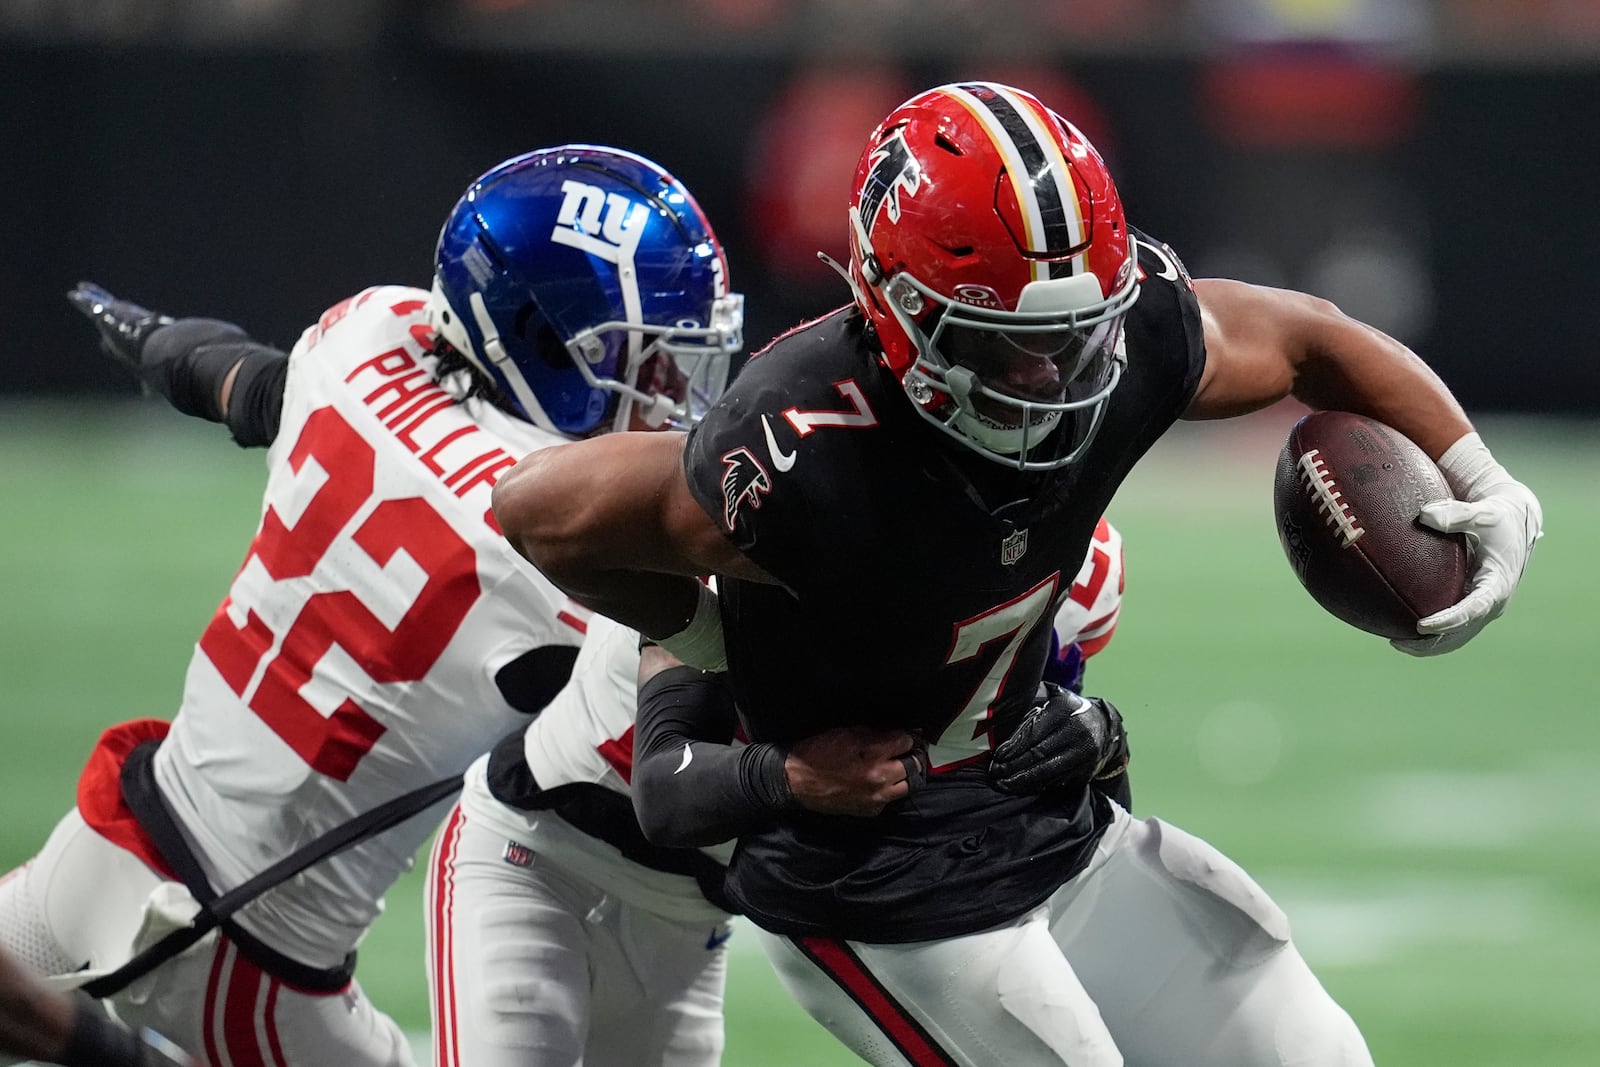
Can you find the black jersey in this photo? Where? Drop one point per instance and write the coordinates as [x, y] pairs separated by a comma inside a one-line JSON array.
[[919, 585]]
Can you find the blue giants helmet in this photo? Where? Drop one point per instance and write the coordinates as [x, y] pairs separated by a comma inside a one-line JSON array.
[[587, 284]]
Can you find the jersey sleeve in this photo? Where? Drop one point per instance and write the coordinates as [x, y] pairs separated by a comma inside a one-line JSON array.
[[196, 356], [739, 471], [1088, 614], [1166, 287]]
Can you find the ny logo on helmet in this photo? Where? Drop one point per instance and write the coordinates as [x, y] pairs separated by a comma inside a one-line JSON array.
[[894, 169], [603, 224]]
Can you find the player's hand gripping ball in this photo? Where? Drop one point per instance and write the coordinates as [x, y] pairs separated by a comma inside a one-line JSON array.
[[1346, 499]]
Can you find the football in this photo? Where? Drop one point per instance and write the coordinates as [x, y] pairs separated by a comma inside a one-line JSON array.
[[1346, 499]]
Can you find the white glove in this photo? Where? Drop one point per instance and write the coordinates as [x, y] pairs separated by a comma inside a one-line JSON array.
[[1501, 519]]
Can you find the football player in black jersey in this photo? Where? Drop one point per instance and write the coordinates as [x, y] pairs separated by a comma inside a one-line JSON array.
[[893, 497]]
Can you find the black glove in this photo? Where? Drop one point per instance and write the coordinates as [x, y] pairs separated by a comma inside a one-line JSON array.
[[96, 1040], [123, 325], [1065, 742]]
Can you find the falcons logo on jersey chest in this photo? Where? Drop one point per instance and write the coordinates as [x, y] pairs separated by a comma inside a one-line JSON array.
[[744, 481]]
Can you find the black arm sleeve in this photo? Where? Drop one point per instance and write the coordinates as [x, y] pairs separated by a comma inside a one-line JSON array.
[[690, 786], [188, 361], [255, 406]]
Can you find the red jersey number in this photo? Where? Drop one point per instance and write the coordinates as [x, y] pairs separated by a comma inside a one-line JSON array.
[[333, 744]]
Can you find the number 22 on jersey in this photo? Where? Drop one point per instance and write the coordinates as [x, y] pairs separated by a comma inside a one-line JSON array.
[[269, 670]]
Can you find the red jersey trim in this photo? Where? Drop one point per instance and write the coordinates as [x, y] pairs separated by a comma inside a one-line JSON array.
[[100, 791]]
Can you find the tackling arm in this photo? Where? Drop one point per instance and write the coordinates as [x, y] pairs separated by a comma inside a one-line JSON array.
[[691, 786], [204, 367]]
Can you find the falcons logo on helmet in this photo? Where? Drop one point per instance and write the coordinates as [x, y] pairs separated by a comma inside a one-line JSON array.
[[894, 169], [743, 479]]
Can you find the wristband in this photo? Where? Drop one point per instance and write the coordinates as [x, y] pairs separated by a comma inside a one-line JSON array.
[[764, 778], [699, 644], [1470, 469]]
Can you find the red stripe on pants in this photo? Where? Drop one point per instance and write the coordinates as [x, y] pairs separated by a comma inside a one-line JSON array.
[[447, 1048], [838, 962]]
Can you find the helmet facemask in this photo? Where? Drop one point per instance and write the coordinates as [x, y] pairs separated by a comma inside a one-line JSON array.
[[671, 375], [990, 254], [1003, 382]]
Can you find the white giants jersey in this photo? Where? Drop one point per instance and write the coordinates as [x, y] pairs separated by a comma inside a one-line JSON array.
[[584, 737], [355, 656], [586, 734], [1088, 613]]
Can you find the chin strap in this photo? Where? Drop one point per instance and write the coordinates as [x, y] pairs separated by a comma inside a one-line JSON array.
[[843, 272]]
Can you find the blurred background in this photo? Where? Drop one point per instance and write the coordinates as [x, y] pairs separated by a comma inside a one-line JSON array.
[[1430, 165]]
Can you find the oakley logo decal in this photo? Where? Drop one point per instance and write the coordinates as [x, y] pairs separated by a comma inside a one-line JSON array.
[[607, 225], [979, 296]]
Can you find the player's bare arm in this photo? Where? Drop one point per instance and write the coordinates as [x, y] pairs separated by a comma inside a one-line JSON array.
[[612, 522], [1264, 344]]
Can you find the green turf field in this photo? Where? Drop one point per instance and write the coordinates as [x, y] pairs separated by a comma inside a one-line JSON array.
[[1432, 827]]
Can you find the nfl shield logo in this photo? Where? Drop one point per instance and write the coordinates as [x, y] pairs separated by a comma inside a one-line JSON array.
[[1014, 545], [518, 855]]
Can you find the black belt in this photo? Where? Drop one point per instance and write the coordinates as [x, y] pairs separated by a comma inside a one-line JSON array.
[[144, 799]]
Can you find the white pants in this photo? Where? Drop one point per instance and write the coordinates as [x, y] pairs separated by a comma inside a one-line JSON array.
[[84, 902], [1162, 952], [531, 964]]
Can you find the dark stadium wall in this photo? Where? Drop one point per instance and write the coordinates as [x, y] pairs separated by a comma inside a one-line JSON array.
[[263, 186]]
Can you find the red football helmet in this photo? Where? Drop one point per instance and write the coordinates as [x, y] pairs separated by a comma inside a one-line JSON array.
[[989, 251]]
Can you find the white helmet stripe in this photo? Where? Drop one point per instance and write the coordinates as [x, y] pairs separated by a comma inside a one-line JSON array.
[[1016, 168], [1066, 184], [1039, 173]]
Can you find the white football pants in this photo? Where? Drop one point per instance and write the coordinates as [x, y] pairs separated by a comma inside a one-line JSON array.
[[83, 902], [532, 964], [1163, 951]]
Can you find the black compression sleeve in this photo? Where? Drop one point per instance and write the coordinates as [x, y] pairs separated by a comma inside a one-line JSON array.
[[188, 361], [691, 787], [255, 405]]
